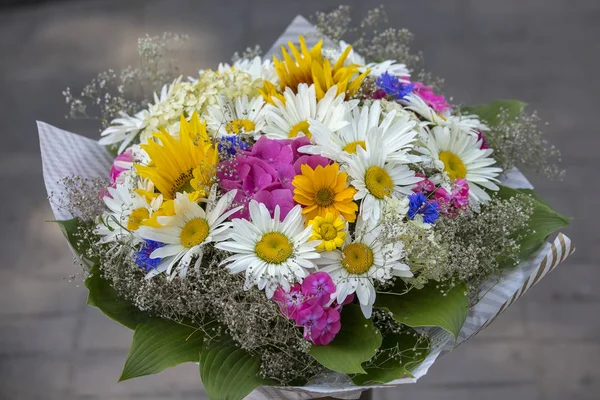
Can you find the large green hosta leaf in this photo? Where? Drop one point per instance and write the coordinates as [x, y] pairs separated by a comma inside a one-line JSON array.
[[398, 355], [102, 295], [228, 372], [543, 222], [356, 343], [427, 306], [159, 344], [490, 112]]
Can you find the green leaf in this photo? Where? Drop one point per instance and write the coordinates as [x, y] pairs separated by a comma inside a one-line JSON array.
[[70, 228], [543, 222], [356, 343], [398, 355], [427, 306], [104, 297], [490, 112], [159, 344], [228, 372]]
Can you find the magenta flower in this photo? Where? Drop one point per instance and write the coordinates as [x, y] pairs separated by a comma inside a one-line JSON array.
[[282, 197], [331, 328], [312, 161], [123, 162], [313, 319], [457, 199], [423, 186], [481, 137], [289, 302], [317, 288], [272, 151], [437, 102]]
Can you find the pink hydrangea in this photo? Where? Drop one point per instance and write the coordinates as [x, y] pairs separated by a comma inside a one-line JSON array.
[[435, 101], [313, 319], [265, 173], [481, 138], [456, 199], [331, 328]]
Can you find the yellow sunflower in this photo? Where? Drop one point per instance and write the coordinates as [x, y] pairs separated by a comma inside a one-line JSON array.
[[324, 190], [309, 66], [331, 231], [187, 164]]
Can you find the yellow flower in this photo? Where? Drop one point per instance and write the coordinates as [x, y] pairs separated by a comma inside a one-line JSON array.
[[330, 230], [187, 164], [323, 190], [167, 209], [269, 92], [309, 66]]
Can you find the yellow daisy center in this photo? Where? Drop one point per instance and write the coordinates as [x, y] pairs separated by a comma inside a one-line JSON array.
[[136, 217], [378, 182], [351, 147], [357, 258], [194, 232], [301, 126], [453, 165], [274, 248], [328, 231], [324, 197], [240, 126]]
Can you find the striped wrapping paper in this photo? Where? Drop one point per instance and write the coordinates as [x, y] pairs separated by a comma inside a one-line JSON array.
[[66, 154]]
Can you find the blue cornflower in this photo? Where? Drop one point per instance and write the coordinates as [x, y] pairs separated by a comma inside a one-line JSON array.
[[392, 86], [418, 204], [142, 256], [229, 145]]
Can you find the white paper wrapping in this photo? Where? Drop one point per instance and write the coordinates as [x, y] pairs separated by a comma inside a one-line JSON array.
[[66, 154]]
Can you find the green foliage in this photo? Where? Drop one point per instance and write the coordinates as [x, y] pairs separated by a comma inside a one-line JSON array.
[[543, 222], [427, 306], [490, 112], [356, 343], [228, 372], [70, 228], [159, 344], [104, 297], [398, 355]]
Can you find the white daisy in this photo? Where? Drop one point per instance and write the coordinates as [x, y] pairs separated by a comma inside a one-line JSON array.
[[396, 131], [272, 253], [255, 67], [236, 116], [390, 66], [459, 155], [126, 210], [362, 261], [126, 128], [375, 179], [292, 118], [466, 123], [186, 233]]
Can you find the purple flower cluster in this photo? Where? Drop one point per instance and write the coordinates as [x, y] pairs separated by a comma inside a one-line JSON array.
[[436, 101], [450, 202], [265, 173], [311, 307]]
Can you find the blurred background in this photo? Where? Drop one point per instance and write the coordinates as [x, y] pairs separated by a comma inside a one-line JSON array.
[[544, 52]]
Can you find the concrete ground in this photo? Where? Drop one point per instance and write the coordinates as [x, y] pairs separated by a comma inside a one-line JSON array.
[[545, 52]]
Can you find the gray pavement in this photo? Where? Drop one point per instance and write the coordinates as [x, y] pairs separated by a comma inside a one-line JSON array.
[[544, 52]]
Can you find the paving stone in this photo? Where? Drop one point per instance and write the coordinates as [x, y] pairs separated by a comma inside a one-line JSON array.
[[47, 335], [568, 370], [481, 361], [427, 392], [563, 320], [25, 295], [30, 378], [100, 333], [97, 374]]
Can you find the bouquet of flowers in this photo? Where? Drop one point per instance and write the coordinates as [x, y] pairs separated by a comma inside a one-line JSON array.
[[313, 223]]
